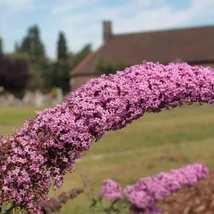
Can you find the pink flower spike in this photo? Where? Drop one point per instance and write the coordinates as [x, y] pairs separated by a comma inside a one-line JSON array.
[[110, 190]]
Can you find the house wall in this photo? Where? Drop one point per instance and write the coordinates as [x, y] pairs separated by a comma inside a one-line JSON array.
[[78, 81]]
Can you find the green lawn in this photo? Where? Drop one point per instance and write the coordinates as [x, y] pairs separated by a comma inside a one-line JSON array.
[[14, 117], [154, 143]]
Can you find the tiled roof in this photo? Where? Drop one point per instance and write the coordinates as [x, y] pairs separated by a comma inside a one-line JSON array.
[[190, 44]]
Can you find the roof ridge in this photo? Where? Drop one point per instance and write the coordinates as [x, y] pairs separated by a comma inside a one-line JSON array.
[[164, 30]]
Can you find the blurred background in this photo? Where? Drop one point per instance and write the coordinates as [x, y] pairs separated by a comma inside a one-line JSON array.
[[49, 48], [56, 46]]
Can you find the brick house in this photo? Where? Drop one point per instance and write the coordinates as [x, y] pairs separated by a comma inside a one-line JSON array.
[[192, 45]]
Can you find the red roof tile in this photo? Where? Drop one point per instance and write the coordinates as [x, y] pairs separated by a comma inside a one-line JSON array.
[[191, 44]]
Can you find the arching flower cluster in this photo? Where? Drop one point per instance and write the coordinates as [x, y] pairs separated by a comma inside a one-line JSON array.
[[147, 191], [48, 146]]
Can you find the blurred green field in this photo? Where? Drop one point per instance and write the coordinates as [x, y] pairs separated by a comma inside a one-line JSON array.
[[154, 143]]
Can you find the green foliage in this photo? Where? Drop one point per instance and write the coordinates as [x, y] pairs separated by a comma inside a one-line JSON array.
[[53, 92], [21, 56], [17, 48], [61, 76], [1, 45], [26, 46], [35, 78], [61, 68], [98, 205], [40, 76], [44, 74], [32, 45], [62, 48], [105, 67], [110, 207], [75, 59]]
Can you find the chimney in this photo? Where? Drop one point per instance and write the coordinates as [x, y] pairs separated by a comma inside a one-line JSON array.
[[107, 30]]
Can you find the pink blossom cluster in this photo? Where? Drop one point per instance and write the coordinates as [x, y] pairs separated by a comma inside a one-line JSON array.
[[144, 194], [110, 190], [48, 146]]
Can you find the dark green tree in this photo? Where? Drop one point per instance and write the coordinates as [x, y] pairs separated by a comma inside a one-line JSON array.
[[61, 75], [34, 48], [26, 46], [75, 59], [16, 47], [62, 47], [60, 69], [1, 45], [37, 48], [32, 45]]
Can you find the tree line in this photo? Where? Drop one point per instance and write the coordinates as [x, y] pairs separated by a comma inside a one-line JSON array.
[[29, 68]]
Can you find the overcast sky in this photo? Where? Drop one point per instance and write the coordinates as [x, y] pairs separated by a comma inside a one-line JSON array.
[[81, 20]]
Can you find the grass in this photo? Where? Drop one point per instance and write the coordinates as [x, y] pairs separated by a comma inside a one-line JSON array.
[[14, 117], [154, 143]]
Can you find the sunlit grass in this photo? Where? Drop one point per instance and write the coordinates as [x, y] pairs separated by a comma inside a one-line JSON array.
[[13, 118]]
